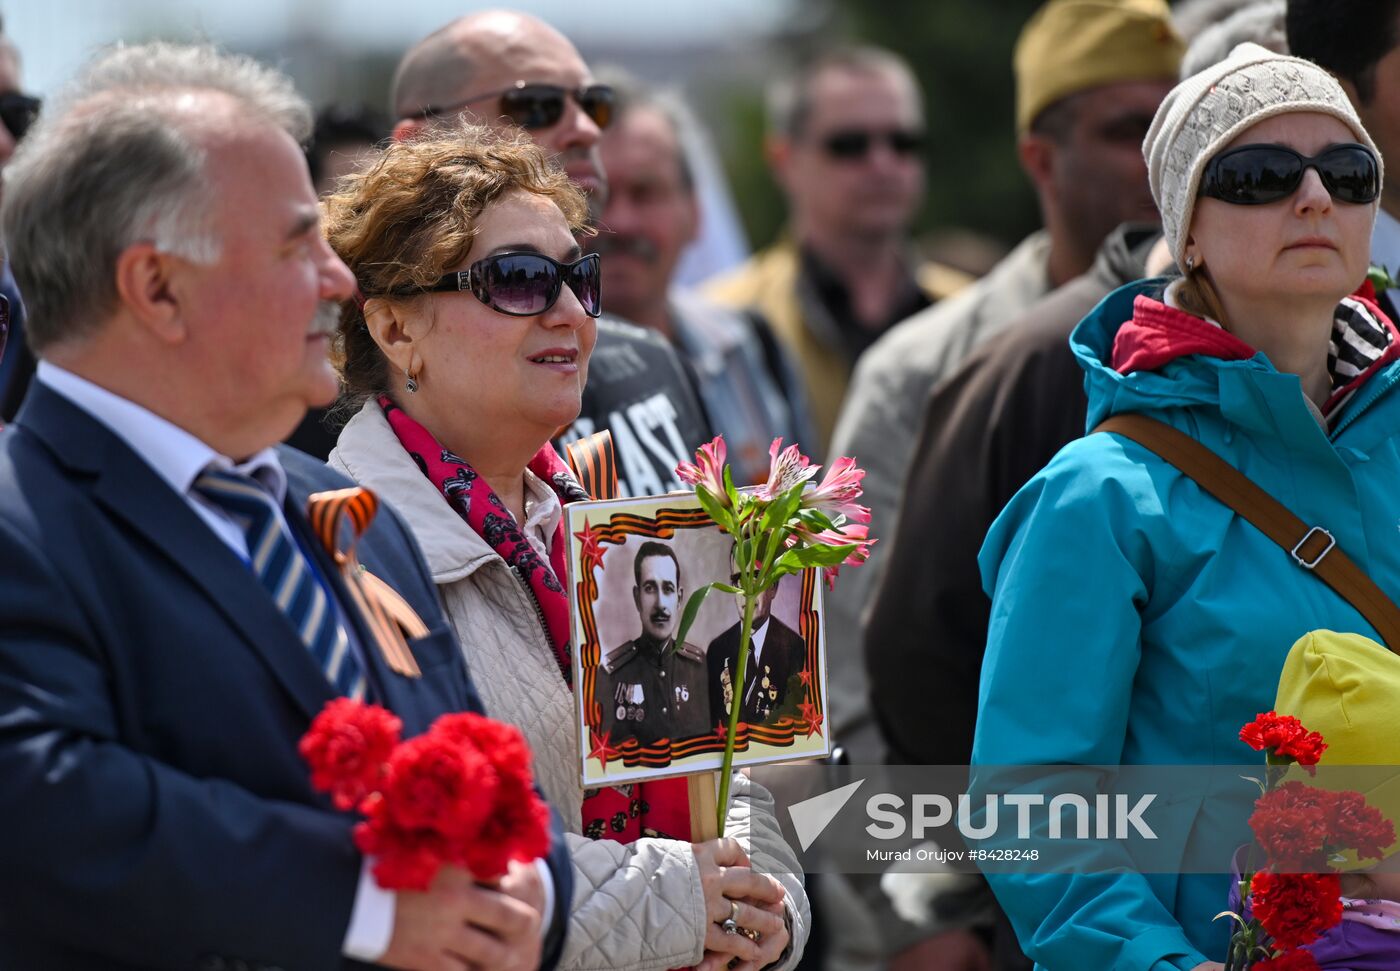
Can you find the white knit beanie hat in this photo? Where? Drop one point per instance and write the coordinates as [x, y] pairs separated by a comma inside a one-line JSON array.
[[1205, 112]]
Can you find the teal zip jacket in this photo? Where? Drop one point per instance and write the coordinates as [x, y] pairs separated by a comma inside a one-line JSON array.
[[1137, 620]]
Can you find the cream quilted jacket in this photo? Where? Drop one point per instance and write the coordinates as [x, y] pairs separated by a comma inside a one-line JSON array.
[[637, 907]]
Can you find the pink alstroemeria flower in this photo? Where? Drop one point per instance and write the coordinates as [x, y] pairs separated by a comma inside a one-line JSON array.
[[837, 494], [709, 473], [857, 534], [788, 467]]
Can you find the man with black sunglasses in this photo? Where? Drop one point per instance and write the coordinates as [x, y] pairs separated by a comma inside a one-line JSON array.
[[17, 112], [510, 70], [844, 142], [501, 68]]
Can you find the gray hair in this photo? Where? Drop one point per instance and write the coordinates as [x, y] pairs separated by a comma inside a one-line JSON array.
[[115, 160], [789, 99], [1261, 22]]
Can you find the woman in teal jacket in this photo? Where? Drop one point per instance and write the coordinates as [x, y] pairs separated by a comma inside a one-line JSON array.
[[1135, 618]]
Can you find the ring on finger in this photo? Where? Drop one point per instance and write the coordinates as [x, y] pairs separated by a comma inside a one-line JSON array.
[[751, 934], [730, 925]]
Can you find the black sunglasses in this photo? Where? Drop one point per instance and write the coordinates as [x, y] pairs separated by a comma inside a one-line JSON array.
[[1254, 175], [536, 106], [856, 143], [526, 284], [18, 112]]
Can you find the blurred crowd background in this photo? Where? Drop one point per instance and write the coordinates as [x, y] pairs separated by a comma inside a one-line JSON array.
[[719, 54]]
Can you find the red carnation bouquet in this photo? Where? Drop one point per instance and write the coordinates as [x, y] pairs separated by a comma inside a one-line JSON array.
[[1296, 896], [461, 793]]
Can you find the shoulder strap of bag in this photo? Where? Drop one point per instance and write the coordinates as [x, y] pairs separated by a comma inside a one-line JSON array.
[[1312, 547]]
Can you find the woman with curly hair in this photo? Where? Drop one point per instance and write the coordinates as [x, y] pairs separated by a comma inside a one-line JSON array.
[[465, 352]]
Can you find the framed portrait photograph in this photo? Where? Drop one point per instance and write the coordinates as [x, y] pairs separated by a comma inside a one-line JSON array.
[[649, 707]]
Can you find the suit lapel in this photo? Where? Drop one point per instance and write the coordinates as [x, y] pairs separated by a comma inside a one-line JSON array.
[[132, 492]]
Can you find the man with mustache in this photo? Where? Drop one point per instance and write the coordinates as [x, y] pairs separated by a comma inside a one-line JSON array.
[[509, 70], [649, 688], [746, 380]]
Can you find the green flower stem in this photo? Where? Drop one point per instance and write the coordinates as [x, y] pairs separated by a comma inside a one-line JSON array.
[[745, 634]]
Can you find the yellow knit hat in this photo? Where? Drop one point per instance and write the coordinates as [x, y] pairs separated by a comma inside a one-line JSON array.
[[1071, 45], [1348, 688]]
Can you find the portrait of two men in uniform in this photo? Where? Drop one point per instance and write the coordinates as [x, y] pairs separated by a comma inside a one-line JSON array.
[[651, 702]]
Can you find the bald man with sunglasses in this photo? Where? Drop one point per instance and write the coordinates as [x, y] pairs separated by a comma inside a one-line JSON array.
[[510, 70]]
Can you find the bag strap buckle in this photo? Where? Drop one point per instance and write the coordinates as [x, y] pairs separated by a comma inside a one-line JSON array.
[[1312, 564]]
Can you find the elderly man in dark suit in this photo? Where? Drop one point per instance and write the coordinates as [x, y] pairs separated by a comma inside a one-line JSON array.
[[169, 624]]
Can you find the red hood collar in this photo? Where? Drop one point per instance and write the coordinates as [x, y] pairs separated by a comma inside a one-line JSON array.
[[1158, 334]]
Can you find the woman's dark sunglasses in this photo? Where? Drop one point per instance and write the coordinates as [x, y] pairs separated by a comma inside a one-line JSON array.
[[18, 112], [1253, 175], [856, 143], [526, 284], [536, 106]]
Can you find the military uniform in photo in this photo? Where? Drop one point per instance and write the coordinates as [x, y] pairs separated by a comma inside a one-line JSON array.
[[766, 678], [650, 691]]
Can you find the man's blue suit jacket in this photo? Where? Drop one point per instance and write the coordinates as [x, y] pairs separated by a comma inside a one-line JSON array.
[[154, 812]]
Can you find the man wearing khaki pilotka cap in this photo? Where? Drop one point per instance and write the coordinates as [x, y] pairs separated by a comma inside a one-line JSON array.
[[1089, 77]]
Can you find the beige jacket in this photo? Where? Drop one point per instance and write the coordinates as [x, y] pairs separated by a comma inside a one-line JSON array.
[[637, 907], [771, 283]]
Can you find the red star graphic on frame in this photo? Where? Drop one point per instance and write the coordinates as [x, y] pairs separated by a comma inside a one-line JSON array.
[[593, 549], [602, 748]]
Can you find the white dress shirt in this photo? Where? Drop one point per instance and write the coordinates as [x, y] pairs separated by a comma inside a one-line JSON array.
[[756, 640]]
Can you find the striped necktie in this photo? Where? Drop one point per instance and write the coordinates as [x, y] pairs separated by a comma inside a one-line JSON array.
[[288, 577]]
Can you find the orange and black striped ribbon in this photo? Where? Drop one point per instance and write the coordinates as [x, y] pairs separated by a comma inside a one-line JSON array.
[[594, 464], [339, 519]]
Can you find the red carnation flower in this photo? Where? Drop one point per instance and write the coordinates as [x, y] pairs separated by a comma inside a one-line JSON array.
[[1295, 908], [517, 830], [1294, 960], [1290, 823], [440, 784], [1352, 823], [347, 746], [463, 793], [502, 744], [518, 826], [1284, 738], [404, 859]]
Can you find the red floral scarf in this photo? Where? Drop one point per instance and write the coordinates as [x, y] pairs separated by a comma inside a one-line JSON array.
[[479, 506], [623, 813]]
